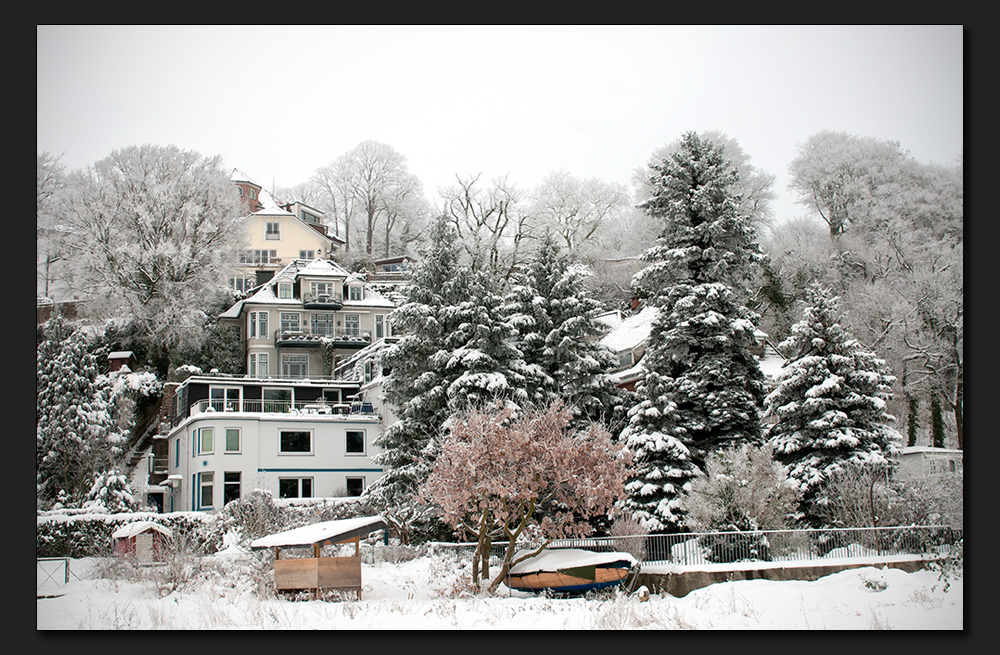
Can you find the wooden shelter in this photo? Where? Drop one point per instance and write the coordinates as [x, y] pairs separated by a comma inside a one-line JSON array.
[[145, 542], [319, 573]]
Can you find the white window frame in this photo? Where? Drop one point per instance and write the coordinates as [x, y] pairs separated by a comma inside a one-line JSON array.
[[298, 490], [202, 449], [239, 441], [262, 371], [307, 254], [364, 443], [228, 402], [296, 453], [272, 234], [285, 290], [228, 484], [354, 477], [355, 330], [285, 319], [355, 292], [328, 328], [206, 484], [297, 361], [379, 326]]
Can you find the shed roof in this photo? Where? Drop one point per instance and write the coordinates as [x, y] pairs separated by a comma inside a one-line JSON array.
[[317, 533], [138, 527]]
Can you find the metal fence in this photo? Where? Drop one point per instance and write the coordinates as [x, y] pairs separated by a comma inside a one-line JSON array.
[[51, 574], [699, 548]]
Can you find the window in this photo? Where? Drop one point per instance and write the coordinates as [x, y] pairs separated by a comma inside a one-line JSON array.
[[307, 254], [207, 483], [321, 288], [230, 487], [355, 292], [259, 257], [262, 365], [294, 366], [625, 358], [368, 371], [352, 325], [232, 440], [206, 441], [356, 442], [258, 325], [272, 231], [322, 324], [252, 368], [379, 326], [295, 487], [253, 194], [177, 453], [355, 486], [285, 290], [225, 399], [309, 218], [277, 399], [295, 442], [243, 283], [289, 321]]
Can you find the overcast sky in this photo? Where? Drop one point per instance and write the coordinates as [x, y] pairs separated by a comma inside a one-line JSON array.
[[278, 102]]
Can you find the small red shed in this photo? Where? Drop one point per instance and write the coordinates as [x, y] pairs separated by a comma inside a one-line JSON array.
[[120, 358], [145, 542]]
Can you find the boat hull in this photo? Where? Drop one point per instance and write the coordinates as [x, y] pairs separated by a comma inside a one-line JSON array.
[[561, 582]]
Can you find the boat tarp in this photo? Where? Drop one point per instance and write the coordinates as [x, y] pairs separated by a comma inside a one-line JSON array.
[[569, 559]]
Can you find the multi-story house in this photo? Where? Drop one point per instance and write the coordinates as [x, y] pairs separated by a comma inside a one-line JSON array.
[[311, 314], [296, 438], [277, 234]]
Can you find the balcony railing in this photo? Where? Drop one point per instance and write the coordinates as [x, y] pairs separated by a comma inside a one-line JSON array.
[[308, 336], [308, 407], [333, 300]]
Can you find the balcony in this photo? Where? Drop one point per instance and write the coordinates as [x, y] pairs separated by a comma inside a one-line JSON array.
[[323, 301], [307, 338], [351, 410]]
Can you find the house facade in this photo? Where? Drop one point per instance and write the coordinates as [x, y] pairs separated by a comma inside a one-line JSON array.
[[306, 318], [297, 438], [277, 234]]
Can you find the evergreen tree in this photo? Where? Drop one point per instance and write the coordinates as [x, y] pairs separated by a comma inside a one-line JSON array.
[[75, 432], [111, 491], [557, 333], [703, 385], [830, 402], [455, 353]]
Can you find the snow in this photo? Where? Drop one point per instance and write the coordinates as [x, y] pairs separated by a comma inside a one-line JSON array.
[[426, 593], [318, 532], [130, 530]]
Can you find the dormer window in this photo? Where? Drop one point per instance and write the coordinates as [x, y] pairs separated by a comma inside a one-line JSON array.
[[355, 293], [285, 290], [253, 194]]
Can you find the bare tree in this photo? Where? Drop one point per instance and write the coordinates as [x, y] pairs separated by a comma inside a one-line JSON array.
[[576, 209], [489, 221]]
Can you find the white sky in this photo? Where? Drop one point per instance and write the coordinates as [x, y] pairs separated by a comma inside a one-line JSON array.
[[278, 102]]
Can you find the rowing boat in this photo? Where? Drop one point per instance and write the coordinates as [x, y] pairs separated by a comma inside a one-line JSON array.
[[569, 570]]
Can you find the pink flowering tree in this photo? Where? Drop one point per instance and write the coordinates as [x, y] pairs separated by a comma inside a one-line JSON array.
[[507, 475]]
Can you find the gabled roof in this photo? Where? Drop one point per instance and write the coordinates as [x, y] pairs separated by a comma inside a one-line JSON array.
[[318, 533], [632, 331]]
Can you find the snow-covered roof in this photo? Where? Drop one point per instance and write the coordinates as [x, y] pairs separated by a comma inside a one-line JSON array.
[[567, 558], [334, 531], [930, 450], [130, 530], [120, 354], [632, 331]]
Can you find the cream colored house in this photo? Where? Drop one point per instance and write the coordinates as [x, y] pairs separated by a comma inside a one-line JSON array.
[[306, 319], [277, 234]]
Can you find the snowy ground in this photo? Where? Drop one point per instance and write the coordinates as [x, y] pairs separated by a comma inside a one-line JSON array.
[[427, 594]]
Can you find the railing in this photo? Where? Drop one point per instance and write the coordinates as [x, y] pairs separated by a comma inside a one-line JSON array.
[[335, 297], [699, 548], [285, 407], [306, 334]]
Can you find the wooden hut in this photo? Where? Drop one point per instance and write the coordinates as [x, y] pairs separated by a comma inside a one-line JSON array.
[[145, 542], [317, 573]]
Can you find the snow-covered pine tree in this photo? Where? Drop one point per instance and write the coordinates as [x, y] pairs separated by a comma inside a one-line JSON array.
[[455, 351], [557, 332], [75, 429], [703, 385], [829, 406], [111, 491]]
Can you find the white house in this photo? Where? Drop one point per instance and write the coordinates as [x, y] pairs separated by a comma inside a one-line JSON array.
[[298, 438], [922, 461]]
